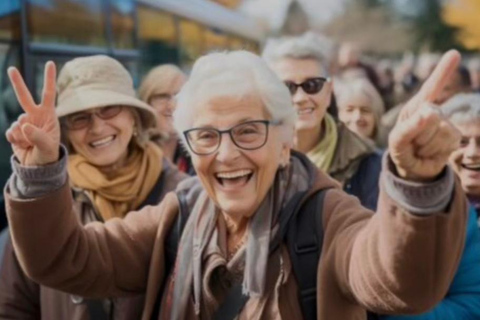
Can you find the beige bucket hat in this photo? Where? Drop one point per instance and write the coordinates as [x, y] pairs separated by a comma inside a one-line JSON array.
[[98, 81]]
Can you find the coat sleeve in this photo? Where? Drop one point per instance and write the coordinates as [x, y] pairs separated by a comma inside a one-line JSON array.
[[96, 260], [395, 261], [463, 298], [19, 296]]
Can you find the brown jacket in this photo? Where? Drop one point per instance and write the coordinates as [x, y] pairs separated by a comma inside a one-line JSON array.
[[21, 298], [390, 262]]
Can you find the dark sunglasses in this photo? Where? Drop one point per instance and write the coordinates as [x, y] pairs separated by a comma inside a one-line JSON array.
[[309, 86]]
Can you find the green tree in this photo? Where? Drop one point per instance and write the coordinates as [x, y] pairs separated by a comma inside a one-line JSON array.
[[430, 30]]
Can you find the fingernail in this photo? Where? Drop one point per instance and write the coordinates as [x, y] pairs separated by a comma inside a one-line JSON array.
[[27, 128]]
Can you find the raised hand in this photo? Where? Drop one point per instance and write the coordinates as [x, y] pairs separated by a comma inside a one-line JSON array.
[[422, 139], [35, 136]]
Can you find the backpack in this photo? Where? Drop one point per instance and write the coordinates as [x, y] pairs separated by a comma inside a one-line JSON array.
[[302, 231]]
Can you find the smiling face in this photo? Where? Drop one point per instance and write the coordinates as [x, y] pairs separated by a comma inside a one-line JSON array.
[[466, 160], [104, 143], [237, 180], [356, 112], [310, 108]]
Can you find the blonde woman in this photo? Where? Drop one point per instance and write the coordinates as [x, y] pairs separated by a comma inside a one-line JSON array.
[[360, 107], [159, 89]]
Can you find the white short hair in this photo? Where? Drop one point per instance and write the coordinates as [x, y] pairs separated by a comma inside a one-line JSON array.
[[234, 74], [308, 46], [463, 107]]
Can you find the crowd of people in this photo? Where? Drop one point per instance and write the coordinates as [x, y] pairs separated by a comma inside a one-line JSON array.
[[300, 184]]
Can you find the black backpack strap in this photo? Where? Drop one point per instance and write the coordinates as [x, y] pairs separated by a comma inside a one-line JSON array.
[[171, 244], [304, 242], [235, 299], [96, 309]]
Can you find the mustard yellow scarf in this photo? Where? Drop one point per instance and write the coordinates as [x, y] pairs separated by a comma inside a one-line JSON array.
[[324, 151], [124, 190]]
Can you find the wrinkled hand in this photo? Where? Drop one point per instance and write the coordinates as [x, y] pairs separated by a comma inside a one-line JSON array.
[[422, 139], [35, 136]]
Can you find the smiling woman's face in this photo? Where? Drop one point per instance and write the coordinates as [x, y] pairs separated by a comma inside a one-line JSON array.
[[164, 104], [104, 142], [466, 160], [238, 180], [311, 108]]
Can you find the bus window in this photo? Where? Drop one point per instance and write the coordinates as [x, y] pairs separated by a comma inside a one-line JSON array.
[[215, 40], [10, 20], [191, 40], [123, 23], [158, 38], [66, 22]]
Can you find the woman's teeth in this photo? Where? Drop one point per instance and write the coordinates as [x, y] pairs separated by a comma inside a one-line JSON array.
[[473, 167], [305, 111], [234, 179], [102, 142], [233, 174]]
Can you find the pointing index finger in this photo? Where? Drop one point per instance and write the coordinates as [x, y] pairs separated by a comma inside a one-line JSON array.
[[439, 77]]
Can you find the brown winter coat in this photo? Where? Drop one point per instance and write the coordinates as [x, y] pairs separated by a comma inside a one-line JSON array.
[[393, 261], [22, 299]]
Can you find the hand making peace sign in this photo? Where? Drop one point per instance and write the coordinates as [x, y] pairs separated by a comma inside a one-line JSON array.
[[422, 139], [35, 136]]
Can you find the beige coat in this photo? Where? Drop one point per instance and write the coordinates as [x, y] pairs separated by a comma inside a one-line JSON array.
[[392, 261]]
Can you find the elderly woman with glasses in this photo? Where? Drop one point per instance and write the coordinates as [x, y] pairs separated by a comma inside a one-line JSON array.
[[113, 169], [230, 258]]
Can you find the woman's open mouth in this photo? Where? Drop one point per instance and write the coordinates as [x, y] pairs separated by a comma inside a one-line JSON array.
[[102, 142], [472, 167], [234, 179]]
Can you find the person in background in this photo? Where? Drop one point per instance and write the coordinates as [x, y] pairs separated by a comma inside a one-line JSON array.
[[158, 89], [360, 108], [351, 65], [301, 64], [459, 82], [464, 111], [113, 167], [474, 69]]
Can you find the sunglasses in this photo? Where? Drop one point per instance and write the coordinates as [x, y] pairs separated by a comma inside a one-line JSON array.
[[309, 86], [81, 120]]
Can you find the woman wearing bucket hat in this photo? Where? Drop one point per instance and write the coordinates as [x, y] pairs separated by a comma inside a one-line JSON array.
[[158, 89], [114, 168]]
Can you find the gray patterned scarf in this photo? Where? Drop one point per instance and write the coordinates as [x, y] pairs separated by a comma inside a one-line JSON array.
[[200, 230]]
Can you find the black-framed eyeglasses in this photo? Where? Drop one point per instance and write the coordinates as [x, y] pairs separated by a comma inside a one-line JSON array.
[[250, 135], [81, 120], [309, 86]]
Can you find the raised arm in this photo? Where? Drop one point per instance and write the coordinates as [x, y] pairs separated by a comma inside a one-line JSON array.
[[52, 247], [403, 258]]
